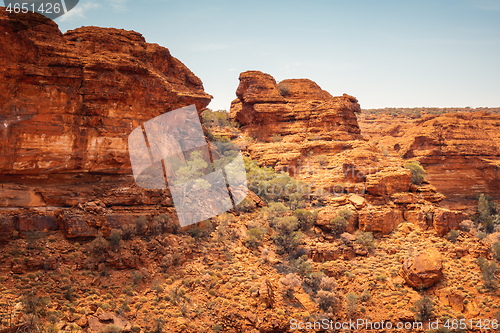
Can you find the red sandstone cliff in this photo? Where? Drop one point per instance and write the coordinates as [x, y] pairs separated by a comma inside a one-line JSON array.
[[67, 105], [460, 151], [297, 127]]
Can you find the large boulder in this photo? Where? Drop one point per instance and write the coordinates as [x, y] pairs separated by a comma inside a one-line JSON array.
[[424, 269]]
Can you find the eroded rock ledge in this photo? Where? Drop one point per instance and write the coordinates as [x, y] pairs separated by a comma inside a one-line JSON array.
[[67, 105]]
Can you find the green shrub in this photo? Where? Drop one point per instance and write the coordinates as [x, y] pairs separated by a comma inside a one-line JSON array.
[[452, 236], [488, 272], [254, 237], [365, 296], [220, 118], [287, 238], [247, 205], [166, 224], [270, 185], [365, 239], [352, 303], [495, 249], [34, 305], [306, 218], [339, 223], [486, 210], [99, 247], [275, 208], [201, 229], [417, 172], [423, 308], [284, 88], [141, 225], [128, 231], [115, 238]]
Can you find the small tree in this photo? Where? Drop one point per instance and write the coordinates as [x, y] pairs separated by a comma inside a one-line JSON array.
[[486, 213], [489, 270], [141, 225], [99, 247], [495, 249], [339, 223], [352, 303], [287, 238], [417, 172], [254, 238], [365, 239], [306, 218], [423, 308], [115, 238]]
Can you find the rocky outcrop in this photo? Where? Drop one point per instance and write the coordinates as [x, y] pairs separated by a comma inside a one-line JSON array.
[[67, 105], [325, 215], [459, 151], [297, 127], [388, 182], [297, 108], [445, 220], [424, 269], [379, 219]]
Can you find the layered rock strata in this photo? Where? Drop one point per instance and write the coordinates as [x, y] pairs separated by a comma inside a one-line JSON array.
[[67, 105]]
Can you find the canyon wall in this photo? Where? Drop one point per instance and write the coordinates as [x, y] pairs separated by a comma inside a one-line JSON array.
[[459, 151], [67, 105]]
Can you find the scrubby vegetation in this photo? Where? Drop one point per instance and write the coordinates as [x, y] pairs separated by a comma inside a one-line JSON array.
[[423, 308], [276, 186], [218, 118], [417, 172], [339, 223], [488, 214]]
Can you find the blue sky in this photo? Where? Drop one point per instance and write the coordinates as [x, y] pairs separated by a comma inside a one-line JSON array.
[[385, 53]]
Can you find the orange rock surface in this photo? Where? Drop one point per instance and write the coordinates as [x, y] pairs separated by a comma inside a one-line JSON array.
[[424, 269], [67, 105], [459, 151]]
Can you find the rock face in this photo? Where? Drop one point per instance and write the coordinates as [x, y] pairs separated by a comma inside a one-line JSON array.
[[445, 220], [377, 219], [388, 182], [459, 151], [297, 127], [424, 269], [67, 105], [293, 122], [297, 107]]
